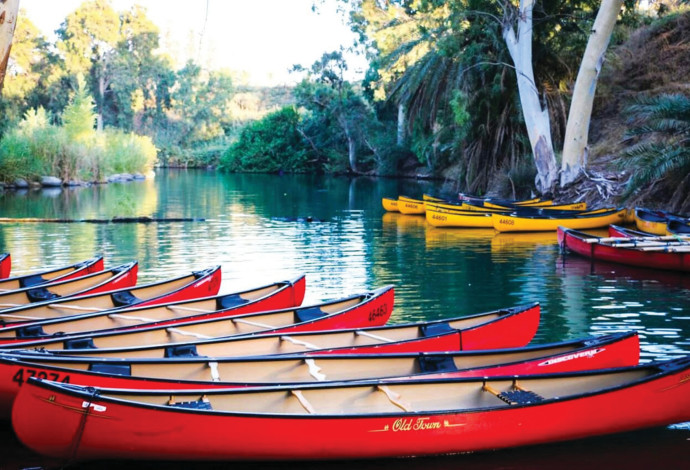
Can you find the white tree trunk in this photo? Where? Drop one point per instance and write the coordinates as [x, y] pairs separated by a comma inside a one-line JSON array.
[[8, 21], [575, 148], [536, 117], [402, 119]]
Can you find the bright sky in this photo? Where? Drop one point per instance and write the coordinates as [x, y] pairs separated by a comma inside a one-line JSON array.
[[261, 37]]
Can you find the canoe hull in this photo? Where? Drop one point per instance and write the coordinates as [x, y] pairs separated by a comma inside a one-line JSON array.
[[16, 368], [95, 428], [676, 261], [516, 223]]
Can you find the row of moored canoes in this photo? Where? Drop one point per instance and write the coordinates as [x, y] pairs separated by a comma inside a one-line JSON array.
[[507, 216], [173, 370]]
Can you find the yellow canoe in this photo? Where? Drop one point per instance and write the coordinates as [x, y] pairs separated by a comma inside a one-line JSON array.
[[390, 205], [650, 221], [574, 206], [440, 217], [541, 223], [407, 205]]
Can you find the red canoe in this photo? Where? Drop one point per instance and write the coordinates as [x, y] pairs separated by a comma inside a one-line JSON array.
[[5, 265], [283, 294], [505, 328], [44, 277], [119, 277], [618, 350], [361, 310], [191, 286], [353, 420], [649, 253]]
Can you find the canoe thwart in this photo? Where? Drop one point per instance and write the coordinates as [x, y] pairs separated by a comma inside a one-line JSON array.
[[394, 397], [303, 401]]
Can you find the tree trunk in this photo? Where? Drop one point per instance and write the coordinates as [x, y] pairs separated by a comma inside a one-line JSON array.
[[575, 148], [8, 21], [101, 102], [536, 117], [402, 120]]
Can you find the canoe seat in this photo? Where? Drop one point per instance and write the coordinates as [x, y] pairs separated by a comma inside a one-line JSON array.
[[31, 331], [435, 329], [113, 369], [309, 314], [39, 294], [516, 396], [124, 298], [29, 281], [230, 301], [79, 343], [201, 404], [183, 350], [436, 363]]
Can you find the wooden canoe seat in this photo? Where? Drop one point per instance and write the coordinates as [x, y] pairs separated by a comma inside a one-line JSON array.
[[516, 396], [303, 401], [394, 397]]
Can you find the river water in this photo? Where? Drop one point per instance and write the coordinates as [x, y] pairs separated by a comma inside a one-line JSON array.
[[264, 228]]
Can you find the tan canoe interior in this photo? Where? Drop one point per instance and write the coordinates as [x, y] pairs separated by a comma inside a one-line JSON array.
[[395, 398], [314, 368], [282, 344], [131, 317]]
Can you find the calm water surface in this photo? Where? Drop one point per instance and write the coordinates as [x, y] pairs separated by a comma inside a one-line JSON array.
[[256, 227]]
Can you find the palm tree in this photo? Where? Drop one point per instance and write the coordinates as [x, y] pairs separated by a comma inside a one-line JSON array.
[[662, 148]]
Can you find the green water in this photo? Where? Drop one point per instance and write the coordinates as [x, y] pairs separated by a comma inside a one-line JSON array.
[[256, 228]]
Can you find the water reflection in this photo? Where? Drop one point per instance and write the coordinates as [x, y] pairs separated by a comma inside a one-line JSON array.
[[256, 228]]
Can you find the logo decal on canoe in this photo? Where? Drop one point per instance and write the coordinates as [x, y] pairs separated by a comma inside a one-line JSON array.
[[569, 357], [417, 424]]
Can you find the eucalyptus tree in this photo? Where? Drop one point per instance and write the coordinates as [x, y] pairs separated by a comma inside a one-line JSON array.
[[8, 22]]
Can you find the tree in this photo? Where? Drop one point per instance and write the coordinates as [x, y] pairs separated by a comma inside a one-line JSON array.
[[336, 109], [666, 118], [536, 115], [577, 131], [87, 39], [8, 21]]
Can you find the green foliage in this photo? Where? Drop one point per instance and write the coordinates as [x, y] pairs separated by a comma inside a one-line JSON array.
[[79, 117], [273, 144], [663, 125]]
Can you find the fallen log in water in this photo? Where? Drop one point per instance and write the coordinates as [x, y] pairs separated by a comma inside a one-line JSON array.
[[114, 220]]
